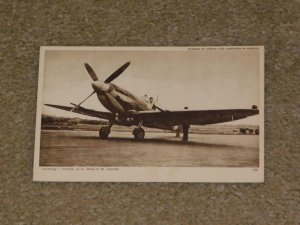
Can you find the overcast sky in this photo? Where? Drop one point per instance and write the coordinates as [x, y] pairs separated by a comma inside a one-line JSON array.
[[210, 79]]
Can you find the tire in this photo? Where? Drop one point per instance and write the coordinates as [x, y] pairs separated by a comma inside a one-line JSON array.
[[139, 133], [103, 133]]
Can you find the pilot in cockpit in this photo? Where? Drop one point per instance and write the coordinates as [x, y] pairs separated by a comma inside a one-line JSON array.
[[151, 103], [151, 100]]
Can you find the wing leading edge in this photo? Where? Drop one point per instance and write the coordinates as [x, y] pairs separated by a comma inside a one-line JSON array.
[[84, 111], [171, 118], [193, 117]]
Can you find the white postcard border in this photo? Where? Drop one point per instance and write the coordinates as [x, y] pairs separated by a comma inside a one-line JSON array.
[[146, 174]]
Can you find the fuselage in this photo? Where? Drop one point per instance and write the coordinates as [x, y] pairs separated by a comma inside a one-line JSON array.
[[119, 100]]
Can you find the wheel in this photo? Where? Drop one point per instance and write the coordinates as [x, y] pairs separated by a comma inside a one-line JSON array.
[[104, 132], [177, 133], [138, 133]]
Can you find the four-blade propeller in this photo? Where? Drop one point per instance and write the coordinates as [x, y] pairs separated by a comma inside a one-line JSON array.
[[93, 75]]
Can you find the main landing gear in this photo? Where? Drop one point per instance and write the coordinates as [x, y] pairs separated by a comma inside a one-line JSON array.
[[105, 131], [139, 132]]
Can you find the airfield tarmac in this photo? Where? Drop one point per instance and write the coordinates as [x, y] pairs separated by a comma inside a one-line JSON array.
[[84, 148]]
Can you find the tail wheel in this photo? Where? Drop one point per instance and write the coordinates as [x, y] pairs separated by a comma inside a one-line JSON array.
[[138, 133], [104, 132]]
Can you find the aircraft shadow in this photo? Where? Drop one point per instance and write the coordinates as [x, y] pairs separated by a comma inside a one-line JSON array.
[[174, 141]]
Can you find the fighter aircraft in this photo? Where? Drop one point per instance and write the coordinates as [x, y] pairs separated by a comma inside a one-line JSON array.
[[127, 109]]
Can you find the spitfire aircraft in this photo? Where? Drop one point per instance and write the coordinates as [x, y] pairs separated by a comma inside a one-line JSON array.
[[129, 110]]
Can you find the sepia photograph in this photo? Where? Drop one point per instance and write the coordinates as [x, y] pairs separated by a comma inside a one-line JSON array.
[[150, 114]]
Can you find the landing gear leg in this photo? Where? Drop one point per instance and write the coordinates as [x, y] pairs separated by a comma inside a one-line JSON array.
[[105, 131], [139, 132], [185, 130]]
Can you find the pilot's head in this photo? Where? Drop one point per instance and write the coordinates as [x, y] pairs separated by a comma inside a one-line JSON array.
[[151, 100]]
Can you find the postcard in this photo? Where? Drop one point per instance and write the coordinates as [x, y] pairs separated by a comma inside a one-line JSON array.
[[150, 114]]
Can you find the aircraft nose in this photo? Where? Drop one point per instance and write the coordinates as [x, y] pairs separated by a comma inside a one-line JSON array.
[[100, 87]]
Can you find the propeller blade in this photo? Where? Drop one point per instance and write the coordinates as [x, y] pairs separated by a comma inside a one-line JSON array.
[[76, 106], [91, 72], [117, 73], [156, 107]]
